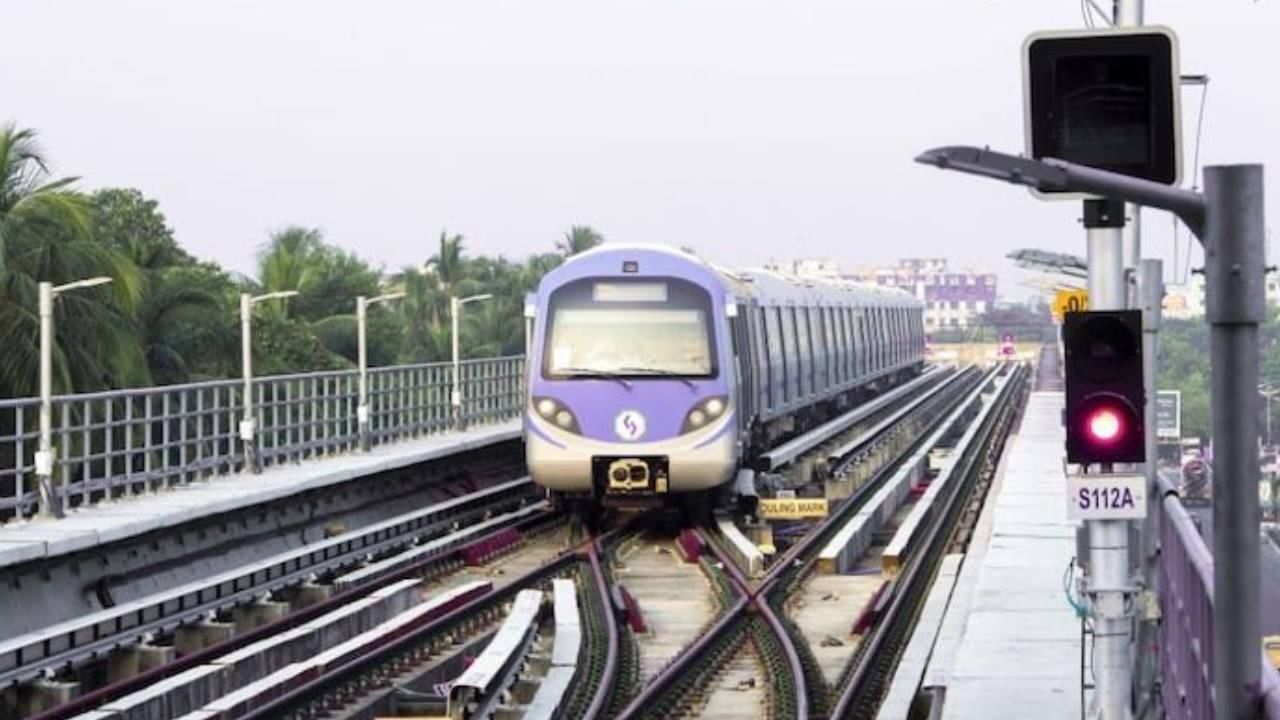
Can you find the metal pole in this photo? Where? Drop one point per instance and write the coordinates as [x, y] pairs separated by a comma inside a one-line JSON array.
[[50, 507], [362, 407], [1151, 294], [1109, 580], [1235, 305], [455, 397], [248, 421]]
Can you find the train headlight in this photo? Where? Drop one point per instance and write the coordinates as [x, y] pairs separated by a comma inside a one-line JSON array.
[[704, 412], [546, 408], [554, 412]]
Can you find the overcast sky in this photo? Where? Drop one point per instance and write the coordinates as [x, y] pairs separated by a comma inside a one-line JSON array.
[[747, 130]]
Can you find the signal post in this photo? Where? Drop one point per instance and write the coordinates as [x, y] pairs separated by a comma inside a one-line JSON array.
[[1084, 141]]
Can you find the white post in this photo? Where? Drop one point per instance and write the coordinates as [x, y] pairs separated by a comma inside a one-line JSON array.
[[1109, 577], [248, 420], [362, 408], [50, 502], [50, 507], [455, 397]]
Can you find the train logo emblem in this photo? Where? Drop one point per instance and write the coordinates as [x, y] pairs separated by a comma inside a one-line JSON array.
[[629, 425]]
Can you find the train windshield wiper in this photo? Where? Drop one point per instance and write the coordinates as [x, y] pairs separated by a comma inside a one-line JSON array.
[[593, 373], [658, 372]]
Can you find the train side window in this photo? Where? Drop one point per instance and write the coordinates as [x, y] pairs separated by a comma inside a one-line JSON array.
[[818, 336], [828, 318], [878, 338], [805, 349], [777, 375], [853, 319], [790, 358], [897, 336], [846, 354], [760, 356]]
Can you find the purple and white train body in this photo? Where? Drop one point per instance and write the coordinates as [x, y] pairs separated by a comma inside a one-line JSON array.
[[653, 373]]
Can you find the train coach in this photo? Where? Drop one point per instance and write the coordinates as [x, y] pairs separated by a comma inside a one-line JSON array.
[[654, 375]]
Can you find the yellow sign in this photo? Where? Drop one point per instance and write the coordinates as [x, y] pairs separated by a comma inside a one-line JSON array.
[[793, 508], [1069, 301]]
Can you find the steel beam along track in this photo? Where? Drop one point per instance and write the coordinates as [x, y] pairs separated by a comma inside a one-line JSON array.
[[792, 687], [864, 683], [91, 637], [376, 664], [797, 688]]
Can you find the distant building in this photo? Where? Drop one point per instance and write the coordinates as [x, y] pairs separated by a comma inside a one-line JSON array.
[[816, 268], [1186, 301], [953, 298]]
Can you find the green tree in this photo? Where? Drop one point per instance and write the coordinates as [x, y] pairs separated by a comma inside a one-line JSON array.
[[424, 337], [46, 234], [289, 261], [132, 225], [579, 238], [187, 324], [183, 318], [448, 264]]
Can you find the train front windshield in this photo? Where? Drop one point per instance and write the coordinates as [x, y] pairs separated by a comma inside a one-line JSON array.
[[629, 329]]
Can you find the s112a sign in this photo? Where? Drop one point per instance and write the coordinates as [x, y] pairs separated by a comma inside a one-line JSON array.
[[1106, 497]]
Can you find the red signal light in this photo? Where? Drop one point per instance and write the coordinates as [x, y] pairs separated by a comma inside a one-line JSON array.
[[1104, 425]]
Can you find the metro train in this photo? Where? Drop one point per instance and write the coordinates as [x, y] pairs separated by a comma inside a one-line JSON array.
[[654, 376]]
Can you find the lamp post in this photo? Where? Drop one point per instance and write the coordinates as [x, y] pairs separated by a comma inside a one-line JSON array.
[[362, 409], [249, 421], [50, 504], [455, 307]]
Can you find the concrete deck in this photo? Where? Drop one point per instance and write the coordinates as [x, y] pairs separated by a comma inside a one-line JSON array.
[[1009, 644], [121, 519]]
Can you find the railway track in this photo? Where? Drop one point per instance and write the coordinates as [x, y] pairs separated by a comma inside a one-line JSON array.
[[431, 541], [968, 410], [737, 642], [408, 668]]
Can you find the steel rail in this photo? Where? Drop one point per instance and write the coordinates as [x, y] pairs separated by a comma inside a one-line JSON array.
[[785, 641], [908, 589], [27, 656], [600, 700], [758, 597], [114, 691], [868, 488], [279, 706], [788, 451], [843, 455]]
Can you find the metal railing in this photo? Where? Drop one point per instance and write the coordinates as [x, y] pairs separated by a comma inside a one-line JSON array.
[[1186, 630], [126, 442]]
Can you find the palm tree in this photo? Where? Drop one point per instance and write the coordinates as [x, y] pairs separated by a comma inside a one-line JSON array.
[[184, 323], [420, 310], [46, 235], [579, 238], [448, 264], [289, 261], [495, 328]]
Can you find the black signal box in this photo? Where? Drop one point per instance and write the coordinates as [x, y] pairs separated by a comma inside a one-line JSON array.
[[1104, 386], [1106, 99]]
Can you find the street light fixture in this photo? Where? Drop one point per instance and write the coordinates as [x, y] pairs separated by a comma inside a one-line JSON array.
[[362, 409], [455, 307], [248, 421], [50, 505]]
